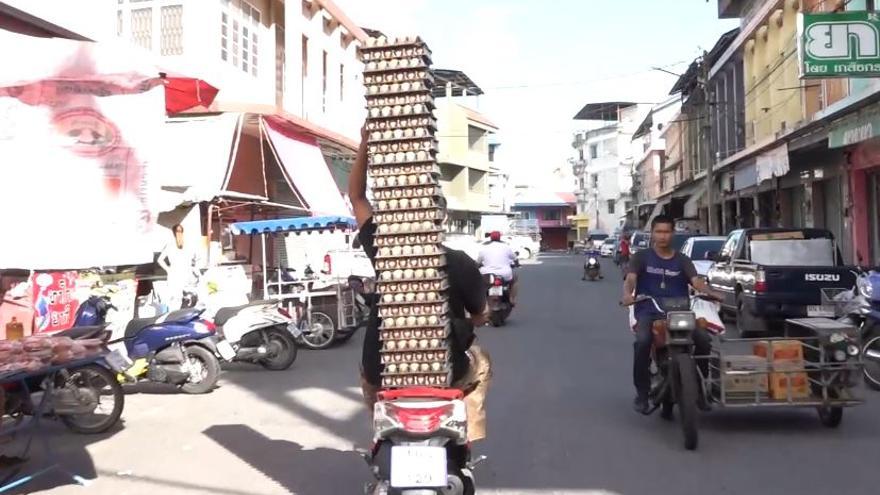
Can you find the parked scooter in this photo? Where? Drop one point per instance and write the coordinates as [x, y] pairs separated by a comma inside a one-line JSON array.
[[420, 444], [863, 311], [592, 269], [498, 299], [260, 332], [174, 348]]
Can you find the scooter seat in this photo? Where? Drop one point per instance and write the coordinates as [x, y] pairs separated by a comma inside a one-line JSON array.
[[89, 332], [225, 314], [181, 315]]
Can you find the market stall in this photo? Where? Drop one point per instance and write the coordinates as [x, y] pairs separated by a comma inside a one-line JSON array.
[[322, 302]]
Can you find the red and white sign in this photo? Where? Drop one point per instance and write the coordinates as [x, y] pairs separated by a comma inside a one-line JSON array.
[[79, 124], [54, 298]]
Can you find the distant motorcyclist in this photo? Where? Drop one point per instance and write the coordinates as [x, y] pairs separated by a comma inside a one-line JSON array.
[[660, 272], [497, 258]]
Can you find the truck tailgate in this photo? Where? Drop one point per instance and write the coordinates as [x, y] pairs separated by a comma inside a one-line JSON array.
[[802, 285]]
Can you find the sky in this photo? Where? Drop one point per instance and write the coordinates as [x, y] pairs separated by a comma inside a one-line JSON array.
[[540, 61]]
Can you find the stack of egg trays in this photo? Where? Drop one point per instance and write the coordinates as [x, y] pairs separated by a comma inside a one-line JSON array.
[[410, 263]]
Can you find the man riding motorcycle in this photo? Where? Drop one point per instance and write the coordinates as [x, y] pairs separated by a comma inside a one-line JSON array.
[[660, 272], [471, 366], [496, 258]]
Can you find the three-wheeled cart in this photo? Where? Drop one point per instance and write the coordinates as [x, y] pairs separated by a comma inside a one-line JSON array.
[[324, 307]]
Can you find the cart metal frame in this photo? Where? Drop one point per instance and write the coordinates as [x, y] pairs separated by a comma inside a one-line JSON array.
[[831, 382]]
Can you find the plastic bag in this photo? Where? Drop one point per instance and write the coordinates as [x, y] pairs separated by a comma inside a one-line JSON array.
[[709, 311]]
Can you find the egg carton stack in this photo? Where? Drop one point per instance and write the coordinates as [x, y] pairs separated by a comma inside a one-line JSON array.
[[410, 263]]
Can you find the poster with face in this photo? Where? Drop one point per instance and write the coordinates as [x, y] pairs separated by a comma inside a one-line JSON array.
[[78, 129]]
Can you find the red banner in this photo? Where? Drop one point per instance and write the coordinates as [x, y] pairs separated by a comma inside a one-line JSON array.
[[55, 303]]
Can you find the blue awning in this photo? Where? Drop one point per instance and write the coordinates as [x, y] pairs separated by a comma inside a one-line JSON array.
[[296, 224]]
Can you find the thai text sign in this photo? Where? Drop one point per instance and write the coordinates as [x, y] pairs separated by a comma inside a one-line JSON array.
[[839, 44]]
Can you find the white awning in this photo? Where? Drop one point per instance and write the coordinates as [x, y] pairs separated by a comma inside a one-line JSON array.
[[195, 158], [304, 164], [692, 205]]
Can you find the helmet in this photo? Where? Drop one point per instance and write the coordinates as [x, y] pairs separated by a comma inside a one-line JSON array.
[[495, 236]]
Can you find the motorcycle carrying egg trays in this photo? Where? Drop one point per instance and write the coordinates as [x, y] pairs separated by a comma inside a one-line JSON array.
[[404, 184]]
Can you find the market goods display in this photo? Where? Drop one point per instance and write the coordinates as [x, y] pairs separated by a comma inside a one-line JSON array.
[[36, 352], [403, 171]]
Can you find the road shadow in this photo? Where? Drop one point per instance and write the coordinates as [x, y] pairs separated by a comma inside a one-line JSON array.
[[66, 450], [297, 470]]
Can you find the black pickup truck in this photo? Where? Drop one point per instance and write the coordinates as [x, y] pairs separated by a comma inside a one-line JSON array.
[[768, 275]]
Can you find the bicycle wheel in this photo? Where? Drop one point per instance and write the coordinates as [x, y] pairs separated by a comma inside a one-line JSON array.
[[318, 331]]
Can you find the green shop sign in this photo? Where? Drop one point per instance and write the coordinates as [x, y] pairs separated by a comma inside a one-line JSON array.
[[841, 44], [854, 129]]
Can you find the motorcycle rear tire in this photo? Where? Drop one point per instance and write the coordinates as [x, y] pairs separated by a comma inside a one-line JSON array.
[[686, 396], [212, 370], [496, 318], [285, 358], [72, 421]]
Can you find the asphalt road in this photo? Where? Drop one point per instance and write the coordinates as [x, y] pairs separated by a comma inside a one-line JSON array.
[[560, 422]]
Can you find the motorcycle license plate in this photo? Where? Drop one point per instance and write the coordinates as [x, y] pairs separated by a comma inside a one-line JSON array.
[[225, 349], [294, 330], [820, 311], [496, 291], [117, 361], [418, 467]]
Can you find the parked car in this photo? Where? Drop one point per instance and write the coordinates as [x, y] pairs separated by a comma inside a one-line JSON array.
[[639, 240], [608, 247], [703, 251], [679, 238], [768, 275], [597, 239], [524, 245]]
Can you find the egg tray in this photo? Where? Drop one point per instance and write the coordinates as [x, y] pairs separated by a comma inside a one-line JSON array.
[[386, 207], [402, 344], [403, 96], [439, 330], [403, 169], [378, 183], [403, 123], [404, 280], [395, 50], [428, 159], [377, 114], [409, 192], [402, 63], [443, 368], [404, 239], [389, 138], [400, 298], [423, 75], [431, 261], [436, 285], [425, 142], [437, 309], [414, 357], [378, 54], [379, 232], [408, 216], [432, 251], [403, 381]]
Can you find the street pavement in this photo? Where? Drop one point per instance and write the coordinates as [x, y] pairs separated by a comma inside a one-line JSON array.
[[560, 422]]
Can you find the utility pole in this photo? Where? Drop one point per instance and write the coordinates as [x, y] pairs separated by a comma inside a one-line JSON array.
[[708, 104]]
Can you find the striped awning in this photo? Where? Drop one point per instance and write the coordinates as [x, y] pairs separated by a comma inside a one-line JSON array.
[[296, 224]]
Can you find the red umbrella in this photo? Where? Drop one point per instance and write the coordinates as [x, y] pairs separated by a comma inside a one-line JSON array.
[[183, 93]]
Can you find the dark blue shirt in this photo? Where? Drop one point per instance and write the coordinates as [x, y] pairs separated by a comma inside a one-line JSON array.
[[660, 278]]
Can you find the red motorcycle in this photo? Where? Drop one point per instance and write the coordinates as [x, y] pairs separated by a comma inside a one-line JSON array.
[[420, 444]]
